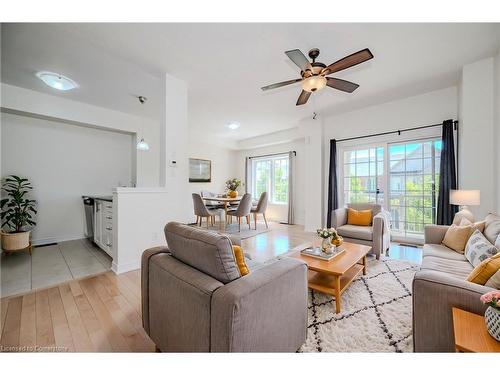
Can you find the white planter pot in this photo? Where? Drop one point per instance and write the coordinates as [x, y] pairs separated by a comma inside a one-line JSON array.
[[492, 319], [15, 241]]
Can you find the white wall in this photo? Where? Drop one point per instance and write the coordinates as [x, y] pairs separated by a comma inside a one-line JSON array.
[[280, 212], [224, 165], [33, 103], [497, 126], [63, 162], [477, 158]]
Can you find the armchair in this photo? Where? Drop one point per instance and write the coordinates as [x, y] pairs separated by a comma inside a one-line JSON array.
[[195, 300], [377, 235]]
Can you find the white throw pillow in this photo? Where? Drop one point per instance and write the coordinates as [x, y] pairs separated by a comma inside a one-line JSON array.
[[478, 248]]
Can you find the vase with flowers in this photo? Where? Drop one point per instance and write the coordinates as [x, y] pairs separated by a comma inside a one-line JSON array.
[[326, 234], [232, 186], [492, 313]]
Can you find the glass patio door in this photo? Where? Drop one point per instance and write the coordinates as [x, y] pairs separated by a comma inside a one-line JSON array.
[[402, 177], [413, 186], [364, 175]]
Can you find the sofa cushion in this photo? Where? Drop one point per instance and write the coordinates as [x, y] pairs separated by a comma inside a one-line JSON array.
[[362, 217], [464, 214], [456, 237], [355, 231], [494, 281], [456, 268], [479, 248], [208, 252], [485, 270], [492, 227], [376, 208], [441, 251], [240, 260]]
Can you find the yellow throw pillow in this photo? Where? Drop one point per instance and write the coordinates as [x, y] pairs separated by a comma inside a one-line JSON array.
[[363, 217], [485, 270], [240, 260], [456, 237]]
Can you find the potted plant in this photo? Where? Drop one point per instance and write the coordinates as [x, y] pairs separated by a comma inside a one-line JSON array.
[[232, 186], [17, 213], [492, 313]]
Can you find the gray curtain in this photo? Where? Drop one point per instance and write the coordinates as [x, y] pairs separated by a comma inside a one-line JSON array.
[[447, 176], [248, 176], [333, 199], [291, 164]]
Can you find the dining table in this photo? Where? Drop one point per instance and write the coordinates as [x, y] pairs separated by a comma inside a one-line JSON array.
[[225, 201]]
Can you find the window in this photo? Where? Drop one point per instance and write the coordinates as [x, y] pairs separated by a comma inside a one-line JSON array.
[[402, 177], [414, 184], [363, 175], [271, 175]]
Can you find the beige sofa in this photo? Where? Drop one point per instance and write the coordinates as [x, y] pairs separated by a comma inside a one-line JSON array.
[[438, 286], [377, 235]]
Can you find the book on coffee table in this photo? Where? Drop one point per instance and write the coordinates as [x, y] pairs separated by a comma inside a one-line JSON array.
[[315, 252]]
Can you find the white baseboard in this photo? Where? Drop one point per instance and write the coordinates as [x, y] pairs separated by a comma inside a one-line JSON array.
[[49, 240], [122, 268]]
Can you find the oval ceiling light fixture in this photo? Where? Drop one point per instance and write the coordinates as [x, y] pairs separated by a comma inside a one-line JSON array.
[[233, 125], [57, 81]]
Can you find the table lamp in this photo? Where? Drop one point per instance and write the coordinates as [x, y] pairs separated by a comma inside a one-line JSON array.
[[465, 198]]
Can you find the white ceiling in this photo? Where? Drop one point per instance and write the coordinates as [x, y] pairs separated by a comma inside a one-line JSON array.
[[225, 65]]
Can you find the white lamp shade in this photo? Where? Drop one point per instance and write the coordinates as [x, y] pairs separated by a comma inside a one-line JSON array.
[[142, 145], [465, 197]]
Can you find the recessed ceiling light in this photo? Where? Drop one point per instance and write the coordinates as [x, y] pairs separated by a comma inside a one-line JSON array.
[[57, 81], [233, 125]]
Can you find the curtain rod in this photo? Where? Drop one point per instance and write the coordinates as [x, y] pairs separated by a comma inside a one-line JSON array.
[[395, 132], [279, 153]]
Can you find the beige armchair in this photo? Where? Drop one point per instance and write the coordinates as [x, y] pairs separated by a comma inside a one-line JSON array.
[[377, 235]]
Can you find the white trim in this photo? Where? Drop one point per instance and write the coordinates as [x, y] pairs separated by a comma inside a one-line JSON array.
[[50, 240], [122, 268], [131, 190]]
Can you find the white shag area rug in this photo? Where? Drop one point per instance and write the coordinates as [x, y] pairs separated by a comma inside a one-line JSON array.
[[376, 312]]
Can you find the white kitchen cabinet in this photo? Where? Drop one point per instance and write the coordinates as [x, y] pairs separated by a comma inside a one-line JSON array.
[[103, 225]]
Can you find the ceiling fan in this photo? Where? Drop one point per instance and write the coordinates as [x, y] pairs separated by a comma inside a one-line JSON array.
[[314, 75]]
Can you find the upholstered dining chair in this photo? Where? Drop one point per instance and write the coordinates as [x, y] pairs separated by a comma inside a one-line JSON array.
[[201, 211], [243, 210], [260, 208]]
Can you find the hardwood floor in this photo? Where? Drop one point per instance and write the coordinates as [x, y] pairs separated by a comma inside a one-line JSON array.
[[102, 313]]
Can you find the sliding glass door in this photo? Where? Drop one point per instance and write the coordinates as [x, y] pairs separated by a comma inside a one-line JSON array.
[[414, 183], [409, 170], [363, 175]]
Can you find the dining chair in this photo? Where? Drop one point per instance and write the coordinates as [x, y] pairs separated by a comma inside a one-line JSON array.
[[260, 208], [210, 204], [243, 210], [201, 211]]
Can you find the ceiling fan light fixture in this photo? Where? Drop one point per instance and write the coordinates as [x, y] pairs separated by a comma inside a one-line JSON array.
[[314, 83]]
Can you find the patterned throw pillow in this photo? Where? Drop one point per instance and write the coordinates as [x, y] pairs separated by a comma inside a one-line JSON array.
[[478, 248]]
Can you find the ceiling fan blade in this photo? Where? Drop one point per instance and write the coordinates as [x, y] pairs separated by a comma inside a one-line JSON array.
[[340, 84], [303, 97], [299, 59], [348, 61], [280, 84]]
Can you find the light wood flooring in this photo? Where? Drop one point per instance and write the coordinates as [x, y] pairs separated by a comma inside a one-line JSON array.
[[102, 313]]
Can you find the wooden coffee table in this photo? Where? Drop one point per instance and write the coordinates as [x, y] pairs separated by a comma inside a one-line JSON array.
[[335, 275]]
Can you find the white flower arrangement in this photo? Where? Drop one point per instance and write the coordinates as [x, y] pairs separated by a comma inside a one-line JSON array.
[[326, 232]]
